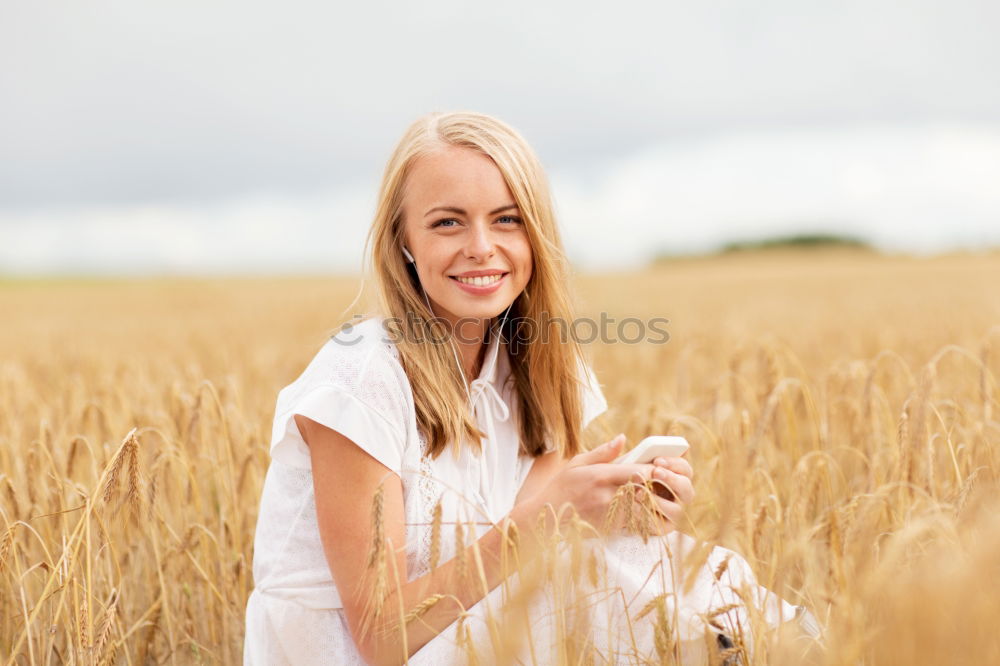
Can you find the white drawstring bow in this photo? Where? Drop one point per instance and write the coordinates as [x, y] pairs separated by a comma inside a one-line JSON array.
[[488, 406]]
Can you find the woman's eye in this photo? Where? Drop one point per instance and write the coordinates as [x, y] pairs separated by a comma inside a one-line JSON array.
[[509, 219], [444, 223]]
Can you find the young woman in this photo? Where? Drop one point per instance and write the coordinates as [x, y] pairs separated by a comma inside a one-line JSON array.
[[414, 440]]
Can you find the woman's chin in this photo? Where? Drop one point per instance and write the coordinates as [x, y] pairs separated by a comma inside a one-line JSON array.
[[479, 307]]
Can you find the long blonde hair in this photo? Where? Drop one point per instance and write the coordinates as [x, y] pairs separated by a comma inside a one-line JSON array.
[[546, 376]]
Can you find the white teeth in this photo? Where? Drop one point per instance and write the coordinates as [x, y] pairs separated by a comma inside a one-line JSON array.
[[481, 281]]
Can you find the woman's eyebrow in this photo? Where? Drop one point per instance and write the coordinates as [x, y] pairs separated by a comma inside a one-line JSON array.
[[452, 209]]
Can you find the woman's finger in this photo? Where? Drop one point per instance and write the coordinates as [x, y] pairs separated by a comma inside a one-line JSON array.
[[673, 511], [679, 465], [604, 453], [681, 486], [621, 473]]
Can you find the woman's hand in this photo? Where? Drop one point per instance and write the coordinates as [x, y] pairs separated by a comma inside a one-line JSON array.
[[591, 480], [677, 474]]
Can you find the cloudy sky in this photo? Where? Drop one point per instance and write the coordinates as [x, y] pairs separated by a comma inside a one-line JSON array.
[[184, 137]]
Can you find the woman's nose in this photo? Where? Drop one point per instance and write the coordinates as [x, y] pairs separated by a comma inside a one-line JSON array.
[[480, 245]]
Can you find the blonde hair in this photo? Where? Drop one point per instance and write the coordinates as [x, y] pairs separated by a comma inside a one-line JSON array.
[[546, 376]]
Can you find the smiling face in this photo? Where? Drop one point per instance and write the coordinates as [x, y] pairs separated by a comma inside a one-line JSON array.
[[466, 234]]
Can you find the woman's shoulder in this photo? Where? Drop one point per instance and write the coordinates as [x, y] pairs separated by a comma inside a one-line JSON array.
[[361, 358], [354, 384]]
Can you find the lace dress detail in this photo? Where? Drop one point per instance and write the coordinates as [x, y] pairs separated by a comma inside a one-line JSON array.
[[419, 510], [429, 495]]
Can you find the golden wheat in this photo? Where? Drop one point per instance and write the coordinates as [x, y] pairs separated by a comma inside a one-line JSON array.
[[841, 409]]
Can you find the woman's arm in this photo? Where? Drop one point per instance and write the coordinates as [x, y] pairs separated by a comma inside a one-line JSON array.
[[545, 467], [345, 479]]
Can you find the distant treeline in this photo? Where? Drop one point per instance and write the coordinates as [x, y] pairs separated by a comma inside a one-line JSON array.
[[793, 241], [797, 240]]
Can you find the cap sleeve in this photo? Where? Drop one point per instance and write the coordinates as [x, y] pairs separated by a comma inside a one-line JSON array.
[[360, 395]]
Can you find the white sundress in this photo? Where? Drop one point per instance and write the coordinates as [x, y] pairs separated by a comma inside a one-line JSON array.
[[356, 385]]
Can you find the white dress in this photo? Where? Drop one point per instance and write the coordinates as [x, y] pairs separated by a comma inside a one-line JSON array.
[[356, 385]]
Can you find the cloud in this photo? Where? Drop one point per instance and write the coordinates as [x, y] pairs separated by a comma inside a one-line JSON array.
[[179, 104], [920, 188], [247, 235], [916, 189]]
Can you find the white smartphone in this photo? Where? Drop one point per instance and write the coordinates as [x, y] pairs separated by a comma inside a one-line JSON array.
[[650, 448]]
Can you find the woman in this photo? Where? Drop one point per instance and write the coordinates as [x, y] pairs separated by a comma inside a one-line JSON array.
[[413, 441]]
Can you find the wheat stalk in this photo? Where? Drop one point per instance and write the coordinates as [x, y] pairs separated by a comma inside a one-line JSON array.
[[435, 548], [5, 544], [133, 494], [420, 609], [104, 633], [461, 556], [113, 480], [376, 569]]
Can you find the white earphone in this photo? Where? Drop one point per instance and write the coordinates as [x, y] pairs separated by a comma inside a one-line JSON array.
[[409, 257]]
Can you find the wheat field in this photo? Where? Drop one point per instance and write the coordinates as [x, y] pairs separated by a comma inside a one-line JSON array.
[[842, 408]]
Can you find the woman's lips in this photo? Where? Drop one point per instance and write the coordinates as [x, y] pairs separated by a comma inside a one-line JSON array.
[[477, 289]]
